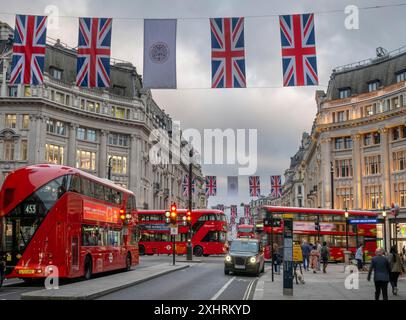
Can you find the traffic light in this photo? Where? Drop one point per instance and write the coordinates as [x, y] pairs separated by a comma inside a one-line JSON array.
[[188, 216], [167, 217], [317, 225], [173, 214]]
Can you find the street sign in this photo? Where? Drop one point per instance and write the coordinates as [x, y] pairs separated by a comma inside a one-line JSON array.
[[276, 223], [174, 231], [363, 221]]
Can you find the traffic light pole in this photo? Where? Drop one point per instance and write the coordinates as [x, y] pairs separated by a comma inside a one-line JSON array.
[[173, 249], [189, 249]]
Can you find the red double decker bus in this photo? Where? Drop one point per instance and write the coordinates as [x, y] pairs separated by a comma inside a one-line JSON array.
[[246, 231], [208, 229], [332, 229], [57, 217]]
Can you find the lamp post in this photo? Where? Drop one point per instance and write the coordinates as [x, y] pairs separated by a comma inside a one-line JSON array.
[[346, 214], [384, 227]]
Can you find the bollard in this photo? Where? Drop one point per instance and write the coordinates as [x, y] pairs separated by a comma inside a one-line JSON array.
[[189, 251]]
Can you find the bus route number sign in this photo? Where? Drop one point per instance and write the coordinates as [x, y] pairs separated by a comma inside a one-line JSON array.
[[30, 209]]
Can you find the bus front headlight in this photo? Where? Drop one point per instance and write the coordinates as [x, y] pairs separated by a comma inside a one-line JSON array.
[[253, 260], [228, 258]]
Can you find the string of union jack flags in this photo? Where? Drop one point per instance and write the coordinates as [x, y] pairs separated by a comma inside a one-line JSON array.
[[254, 186], [228, 68]]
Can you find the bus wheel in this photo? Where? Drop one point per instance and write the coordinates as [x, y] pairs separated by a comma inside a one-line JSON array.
[[128, 262], [198, 251], [88, 268], [141, 250]]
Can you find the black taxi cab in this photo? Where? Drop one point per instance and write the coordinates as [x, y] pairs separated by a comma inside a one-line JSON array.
[[245, 256]]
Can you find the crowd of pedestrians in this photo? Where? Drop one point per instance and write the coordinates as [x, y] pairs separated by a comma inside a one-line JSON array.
[[315, 256], [387, 267]]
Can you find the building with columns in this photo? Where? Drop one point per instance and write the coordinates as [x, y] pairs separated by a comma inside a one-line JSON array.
[[99, 131], [355, 156]]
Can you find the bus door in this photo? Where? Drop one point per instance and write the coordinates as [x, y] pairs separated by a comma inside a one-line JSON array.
[[75, 253], [18, 231]]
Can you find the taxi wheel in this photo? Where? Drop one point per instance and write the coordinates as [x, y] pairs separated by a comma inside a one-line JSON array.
[[226, 272]]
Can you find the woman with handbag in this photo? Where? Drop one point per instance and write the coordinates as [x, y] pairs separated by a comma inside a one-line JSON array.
[[396, 268]]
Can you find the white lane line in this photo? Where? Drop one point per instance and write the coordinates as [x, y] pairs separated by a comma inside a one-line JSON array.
[[223, 288], [248, 290]]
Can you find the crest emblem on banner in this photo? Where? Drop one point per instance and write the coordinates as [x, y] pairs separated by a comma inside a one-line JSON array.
[[159, 52]]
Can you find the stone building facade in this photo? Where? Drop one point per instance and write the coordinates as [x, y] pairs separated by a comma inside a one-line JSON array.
[[99, 131], [359, 134]]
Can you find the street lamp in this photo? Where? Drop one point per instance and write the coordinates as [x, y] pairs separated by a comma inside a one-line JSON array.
[[384, 227], [346, 214]]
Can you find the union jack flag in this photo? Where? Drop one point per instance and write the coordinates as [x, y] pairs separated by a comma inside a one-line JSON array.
[[298, 50], [247, 212], [27, 64], [185, 186], [254, 186], [93, 62], [227, 53], [233, 211], [211, 186], [276, 186]]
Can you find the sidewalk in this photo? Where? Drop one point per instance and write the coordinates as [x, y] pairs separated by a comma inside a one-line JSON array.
[[319, 286], [94, 288]]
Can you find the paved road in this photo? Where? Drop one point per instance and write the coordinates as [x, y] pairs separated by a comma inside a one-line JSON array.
[[13, 288], [204, 281]]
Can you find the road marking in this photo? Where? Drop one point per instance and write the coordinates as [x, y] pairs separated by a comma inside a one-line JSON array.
[[223, 288], [248, 290]]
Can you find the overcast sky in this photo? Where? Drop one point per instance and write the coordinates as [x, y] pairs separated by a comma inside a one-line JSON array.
[[279, 114]]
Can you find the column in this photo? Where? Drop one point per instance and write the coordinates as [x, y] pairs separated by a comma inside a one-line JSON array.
[[103, 161], [357, 170], [72, 145], [4, 78], [134, 165], [326, 167], [32, 140], [40, 138], [386, 186]]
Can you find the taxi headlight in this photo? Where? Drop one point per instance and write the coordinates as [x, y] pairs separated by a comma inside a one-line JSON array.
[[228, 258], [253, 259]]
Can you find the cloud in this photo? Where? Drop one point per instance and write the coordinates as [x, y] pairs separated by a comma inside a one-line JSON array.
[[279, 114]]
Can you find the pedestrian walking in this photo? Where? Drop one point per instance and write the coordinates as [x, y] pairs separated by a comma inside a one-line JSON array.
[[276, 258], [319, 251], [306, 254], [325, 255], [314, 259], [396, 268], [380, 266], [359, 256]]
